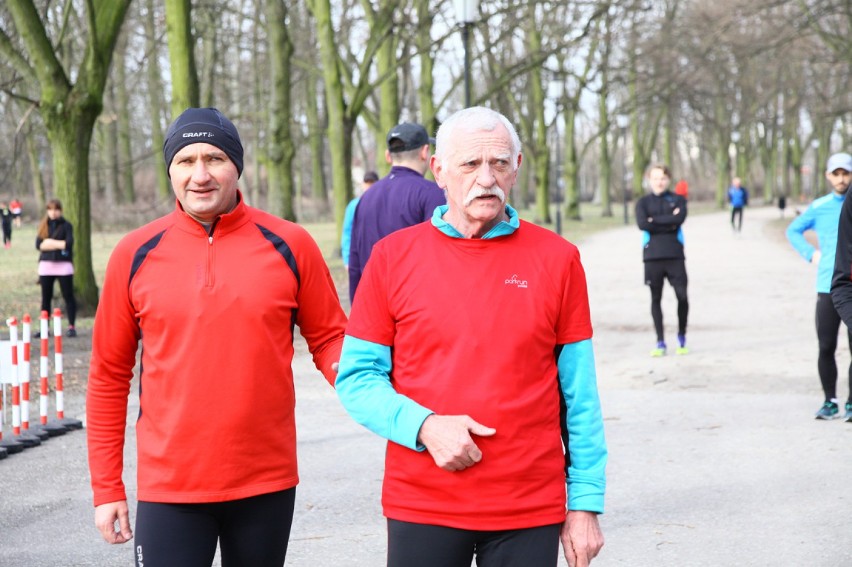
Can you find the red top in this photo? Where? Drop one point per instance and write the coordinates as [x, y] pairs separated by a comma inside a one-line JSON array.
[[487, 352], [214, 315]]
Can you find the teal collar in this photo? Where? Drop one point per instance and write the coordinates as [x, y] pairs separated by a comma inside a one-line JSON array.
[[503, 228]]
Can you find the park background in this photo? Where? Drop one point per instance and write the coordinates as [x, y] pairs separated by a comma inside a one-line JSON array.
[[598, 89], [715, 457]]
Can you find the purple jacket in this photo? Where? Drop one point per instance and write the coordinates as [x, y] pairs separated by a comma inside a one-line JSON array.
[[402, 198]]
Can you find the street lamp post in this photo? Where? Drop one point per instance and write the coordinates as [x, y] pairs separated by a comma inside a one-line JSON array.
[[466, 12], [622, 120]]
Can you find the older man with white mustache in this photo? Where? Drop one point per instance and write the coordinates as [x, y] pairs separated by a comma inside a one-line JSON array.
[[469, 349]]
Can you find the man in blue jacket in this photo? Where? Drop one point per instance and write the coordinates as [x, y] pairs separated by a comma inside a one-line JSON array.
[[738, 198], [822, 216]]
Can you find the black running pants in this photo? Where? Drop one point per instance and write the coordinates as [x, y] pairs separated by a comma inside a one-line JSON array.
[[66, 286], [423, 545], [656, 272], [250, 532], [827, 326]]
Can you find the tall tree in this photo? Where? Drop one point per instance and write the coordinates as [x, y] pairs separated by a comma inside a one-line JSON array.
[[123, 113], [281, 149], [185, 89], [342, 114], [155, 96], [69, 109]]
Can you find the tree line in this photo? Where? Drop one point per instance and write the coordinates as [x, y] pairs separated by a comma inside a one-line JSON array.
[[597, 89]]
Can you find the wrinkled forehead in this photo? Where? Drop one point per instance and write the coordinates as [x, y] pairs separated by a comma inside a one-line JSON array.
[[474, 143]]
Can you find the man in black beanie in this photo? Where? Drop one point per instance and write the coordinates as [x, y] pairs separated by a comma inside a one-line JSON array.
[[213, 291]]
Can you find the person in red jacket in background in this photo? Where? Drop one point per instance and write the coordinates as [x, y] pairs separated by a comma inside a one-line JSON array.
[[212, 291], [682, 188]]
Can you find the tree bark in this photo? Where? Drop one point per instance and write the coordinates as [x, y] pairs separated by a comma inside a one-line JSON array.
[[281, 149], [185, 90]]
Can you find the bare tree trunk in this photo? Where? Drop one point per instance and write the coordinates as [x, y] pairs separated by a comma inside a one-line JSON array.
[[35, 171], [122, 124], [281, 148], [428, 114], [208, 26], [605, 171], [339, 126], [112, 178], [155, 99], [572, 167], [387, 64], [181, 56]]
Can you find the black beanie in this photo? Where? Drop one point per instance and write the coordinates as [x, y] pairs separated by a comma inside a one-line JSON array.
[[207, 125]]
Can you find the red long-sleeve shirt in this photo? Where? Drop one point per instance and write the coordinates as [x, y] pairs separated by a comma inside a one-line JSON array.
[[215, 315]]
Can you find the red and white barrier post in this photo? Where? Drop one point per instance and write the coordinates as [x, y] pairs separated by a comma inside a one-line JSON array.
[[53, 428], [25, 439], [25, 373], [24, 350], [58, 370]]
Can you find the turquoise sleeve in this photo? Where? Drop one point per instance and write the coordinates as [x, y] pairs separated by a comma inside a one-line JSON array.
[[796, 234], [364, 387], [586, 474], [346, 234]]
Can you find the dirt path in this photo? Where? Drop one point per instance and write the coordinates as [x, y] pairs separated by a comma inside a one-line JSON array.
[[714, 456]]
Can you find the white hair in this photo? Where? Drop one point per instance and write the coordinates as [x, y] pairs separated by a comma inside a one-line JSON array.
[[474, 119]]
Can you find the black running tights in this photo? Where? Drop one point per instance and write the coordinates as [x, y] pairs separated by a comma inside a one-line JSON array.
[[250, 532], [423, 545], [66, 286], [657, 309], [827, 325]]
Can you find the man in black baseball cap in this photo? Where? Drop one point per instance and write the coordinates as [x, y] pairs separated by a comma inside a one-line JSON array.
[[401, 199], [408, 136]]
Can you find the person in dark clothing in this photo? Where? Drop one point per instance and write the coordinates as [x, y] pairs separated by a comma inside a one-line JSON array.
[[6, 218], [55, 240], [839, 175], [660, 215], [400, 199]]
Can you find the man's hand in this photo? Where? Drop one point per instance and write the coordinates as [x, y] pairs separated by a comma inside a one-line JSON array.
[[105, 517], [581, 537], [448, 440], [816, 256]]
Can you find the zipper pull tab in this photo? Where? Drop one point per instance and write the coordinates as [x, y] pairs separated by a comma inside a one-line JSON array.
[[210, 239]]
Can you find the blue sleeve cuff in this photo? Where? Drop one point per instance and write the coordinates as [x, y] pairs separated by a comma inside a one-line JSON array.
[[365, 390], [586, 476]]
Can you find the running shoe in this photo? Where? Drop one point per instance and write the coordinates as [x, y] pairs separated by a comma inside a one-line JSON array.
[[660, 350], [848, 412], [71, 332], [682, 350], [829, 410], [681, 341]]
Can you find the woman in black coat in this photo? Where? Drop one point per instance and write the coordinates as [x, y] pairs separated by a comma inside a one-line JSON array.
[[55, 240]]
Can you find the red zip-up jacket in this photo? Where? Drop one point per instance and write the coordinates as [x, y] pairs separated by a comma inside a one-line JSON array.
[[215, 315]]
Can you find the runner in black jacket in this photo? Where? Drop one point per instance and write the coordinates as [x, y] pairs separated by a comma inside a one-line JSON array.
[[838, 173], [660, 215]]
